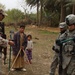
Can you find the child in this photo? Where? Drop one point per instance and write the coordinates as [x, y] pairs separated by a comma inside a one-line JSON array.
[[29, 48], [20, 41]]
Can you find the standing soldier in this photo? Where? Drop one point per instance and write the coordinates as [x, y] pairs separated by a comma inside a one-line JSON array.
[[3, 35], [2, 15], [56, 48], [68, 46], [3, 42]]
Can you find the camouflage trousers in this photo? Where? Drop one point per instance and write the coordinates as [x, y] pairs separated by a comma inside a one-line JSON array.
[[54, 64], [70, 69]]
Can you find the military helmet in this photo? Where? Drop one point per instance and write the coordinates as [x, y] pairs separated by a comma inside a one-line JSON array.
[[62, 25], [70, 19], [2, 12]]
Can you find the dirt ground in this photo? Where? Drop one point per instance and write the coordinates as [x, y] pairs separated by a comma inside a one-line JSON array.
[[43, 41]]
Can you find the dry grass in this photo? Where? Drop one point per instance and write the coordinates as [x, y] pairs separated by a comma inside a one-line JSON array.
[[43, 39]]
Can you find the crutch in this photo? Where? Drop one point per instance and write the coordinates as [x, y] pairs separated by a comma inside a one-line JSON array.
[[28, 60], [14, 61]]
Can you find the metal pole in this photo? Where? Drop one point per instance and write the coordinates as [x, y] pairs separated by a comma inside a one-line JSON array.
[[0, 61], [11, 38]]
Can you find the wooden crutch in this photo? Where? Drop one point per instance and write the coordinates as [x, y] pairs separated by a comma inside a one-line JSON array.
[[14, 61]]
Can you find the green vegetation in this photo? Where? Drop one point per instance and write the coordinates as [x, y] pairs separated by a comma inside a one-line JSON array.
[[52, 11], [49, 12], [47, 32], [14, 15]]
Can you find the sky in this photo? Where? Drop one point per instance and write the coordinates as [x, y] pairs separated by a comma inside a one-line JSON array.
[[19, 4]]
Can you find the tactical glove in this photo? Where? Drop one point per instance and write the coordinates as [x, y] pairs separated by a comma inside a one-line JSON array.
[[54, 49], [58, 42]]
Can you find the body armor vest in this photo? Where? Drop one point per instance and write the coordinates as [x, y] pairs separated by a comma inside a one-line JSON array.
[[69, 46]]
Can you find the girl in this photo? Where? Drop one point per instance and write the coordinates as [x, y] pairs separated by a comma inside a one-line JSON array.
[[29, 48]]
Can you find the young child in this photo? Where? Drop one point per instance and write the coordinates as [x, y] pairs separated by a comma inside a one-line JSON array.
[[29, 48]]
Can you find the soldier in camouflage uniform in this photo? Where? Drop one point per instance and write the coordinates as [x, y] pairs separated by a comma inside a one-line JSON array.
[[2, 40], [2, 15], [68, 47], [56, 48], [3, 35]]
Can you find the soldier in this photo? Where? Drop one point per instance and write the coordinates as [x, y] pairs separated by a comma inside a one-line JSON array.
[[3, 35], [63, 28], [2, 16], [3, 42], [69, 47]]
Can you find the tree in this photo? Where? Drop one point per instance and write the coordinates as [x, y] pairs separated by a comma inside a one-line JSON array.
[[63, 11], [73, 4], [37, 12], [41, 11], [54, 9], [32, 3], [73, 10], [56, 6], [15, 15]]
